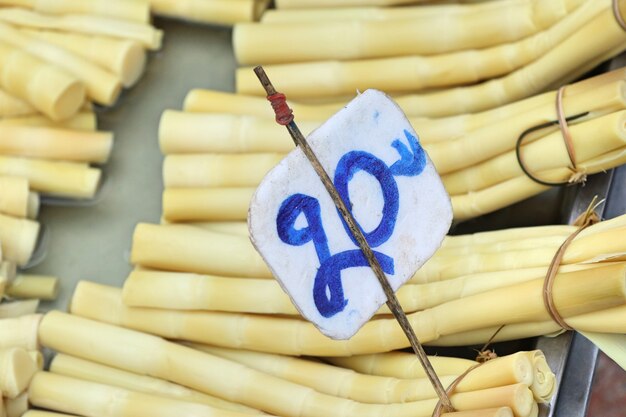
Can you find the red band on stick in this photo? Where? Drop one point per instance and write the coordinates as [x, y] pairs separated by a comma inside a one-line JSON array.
[[284, 115]]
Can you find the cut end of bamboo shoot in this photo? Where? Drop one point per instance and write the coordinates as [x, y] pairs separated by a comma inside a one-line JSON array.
[[17, 370]]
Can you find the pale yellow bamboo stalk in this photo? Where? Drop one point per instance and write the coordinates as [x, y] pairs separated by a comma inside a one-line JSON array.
[[19, 308], [186, 248], [582, 47], [119, 9], [58, 392], [147, 35], [609, 321], [124, 58], [19, 238], [544, 381], [39, 413], [217, 170], [574, 293], [224, 12], [230, 228], [608, 132], [17, 371], [84, 120], [66, 179], [236, 382], [20, 332], [379, 13], [358, 39], [11, 106], [37, 358], [447, 155], [305, 4], [205, 292], [90, 371], [328, 78], [202, 204], [45, 86], [516, 189], [583, 248], [56, 144], [101, 86], [491, 412], [43, 287], [613, 345], [338, 381], [14, 196], [17, 406], [8, 270], [332, 380], [185, 291]]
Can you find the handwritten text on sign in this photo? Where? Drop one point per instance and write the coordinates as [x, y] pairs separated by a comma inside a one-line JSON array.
[[382, 173]]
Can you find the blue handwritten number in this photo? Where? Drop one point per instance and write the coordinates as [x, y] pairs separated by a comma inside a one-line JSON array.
[[328, 293]]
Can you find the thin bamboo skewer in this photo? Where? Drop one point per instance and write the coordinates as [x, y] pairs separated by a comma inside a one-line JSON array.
[[90, 371], [365, 39]]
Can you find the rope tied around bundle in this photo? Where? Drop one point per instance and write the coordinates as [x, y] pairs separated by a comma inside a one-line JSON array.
[[578, 174], [586, 219]]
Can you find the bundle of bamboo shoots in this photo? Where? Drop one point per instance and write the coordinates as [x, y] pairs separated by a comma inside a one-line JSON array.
[[194, 278], [479, 167], [99, 364]]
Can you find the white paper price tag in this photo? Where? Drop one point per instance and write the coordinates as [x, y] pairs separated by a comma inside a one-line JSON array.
[[374, 158]]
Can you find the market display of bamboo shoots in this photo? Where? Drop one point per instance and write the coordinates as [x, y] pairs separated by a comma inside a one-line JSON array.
[[200, 326], [479, 168]]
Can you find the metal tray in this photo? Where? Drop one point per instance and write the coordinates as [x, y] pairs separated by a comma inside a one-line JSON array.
[[93, 243]]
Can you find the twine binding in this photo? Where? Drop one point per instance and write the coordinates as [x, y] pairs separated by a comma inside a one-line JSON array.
[[618, 15], [578, 175], [583, 221]]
